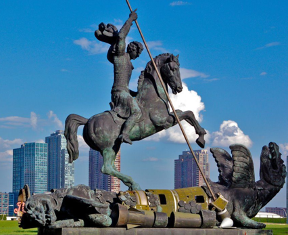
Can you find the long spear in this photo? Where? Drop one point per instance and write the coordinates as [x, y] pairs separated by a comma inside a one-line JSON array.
[[177, 118]]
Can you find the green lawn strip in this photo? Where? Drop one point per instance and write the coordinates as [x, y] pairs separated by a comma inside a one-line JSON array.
[[11, 227], [278, 229]]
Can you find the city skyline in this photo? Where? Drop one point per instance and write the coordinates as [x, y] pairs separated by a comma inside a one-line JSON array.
[[233, 60]]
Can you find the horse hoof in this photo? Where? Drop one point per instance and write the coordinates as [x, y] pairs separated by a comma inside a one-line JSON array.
[[128, 141], [125, 138], [134, 186], [200, 141]]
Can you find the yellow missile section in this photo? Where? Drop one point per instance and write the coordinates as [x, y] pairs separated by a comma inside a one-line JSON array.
[[169, 199]]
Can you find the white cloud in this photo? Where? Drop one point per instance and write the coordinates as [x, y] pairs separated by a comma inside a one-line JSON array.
[[263, 74], [179, 3], [55, 119], [82, 144], [284, 149], [186, 100], [128, 40], [119, 21], [33, 120], [6, 152], [211, 79], [139, 70], [230, 133], [39, 141], [6, 156], [156, 45], [12, 121], [64, 70], [92, 47], [5, 144], [190, 73], [150, 159], [271, 44]]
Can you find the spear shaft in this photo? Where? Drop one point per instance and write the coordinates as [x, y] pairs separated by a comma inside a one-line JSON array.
[[171, 104]]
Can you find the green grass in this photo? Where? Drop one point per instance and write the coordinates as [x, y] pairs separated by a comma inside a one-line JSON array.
[[11, 227], [271, 220], [278, 229]]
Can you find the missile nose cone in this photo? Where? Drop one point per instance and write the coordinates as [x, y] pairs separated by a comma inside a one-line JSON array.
[[226, 223]]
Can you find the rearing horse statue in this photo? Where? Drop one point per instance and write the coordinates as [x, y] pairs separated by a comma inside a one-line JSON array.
[[101, 131]]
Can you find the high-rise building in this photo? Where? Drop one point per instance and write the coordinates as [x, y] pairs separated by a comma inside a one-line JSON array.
[[186, 172], [30, 167], [99, 180], [7, 204], [60, 171], [115, 182], [4, 203], [11, 207]]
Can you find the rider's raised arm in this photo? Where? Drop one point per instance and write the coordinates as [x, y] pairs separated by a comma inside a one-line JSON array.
[[124, 32]]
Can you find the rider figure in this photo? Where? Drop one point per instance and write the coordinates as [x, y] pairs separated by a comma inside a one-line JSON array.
[[123, 102]]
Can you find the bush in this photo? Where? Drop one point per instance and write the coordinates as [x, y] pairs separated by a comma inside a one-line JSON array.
[[3, 217]]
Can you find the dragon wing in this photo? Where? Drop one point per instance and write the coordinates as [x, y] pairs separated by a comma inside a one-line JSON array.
[[225, 165], [243, 167]]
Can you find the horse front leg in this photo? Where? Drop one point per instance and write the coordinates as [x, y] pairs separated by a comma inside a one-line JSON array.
[[189, 117], [109, 168]]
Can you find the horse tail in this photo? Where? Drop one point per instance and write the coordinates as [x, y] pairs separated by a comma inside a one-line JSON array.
[[72, 123]]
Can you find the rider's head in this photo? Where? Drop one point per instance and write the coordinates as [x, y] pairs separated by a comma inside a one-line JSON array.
[[134, 49]]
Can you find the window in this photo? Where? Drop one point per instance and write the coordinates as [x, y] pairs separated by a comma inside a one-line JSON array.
[[162, 199]]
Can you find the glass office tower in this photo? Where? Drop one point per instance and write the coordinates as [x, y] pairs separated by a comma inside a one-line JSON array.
[[30, 167]]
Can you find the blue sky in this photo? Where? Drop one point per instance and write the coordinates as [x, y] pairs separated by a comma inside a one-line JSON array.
[[233, 57]]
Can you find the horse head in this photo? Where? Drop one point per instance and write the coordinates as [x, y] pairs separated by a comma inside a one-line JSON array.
[[170, 73]]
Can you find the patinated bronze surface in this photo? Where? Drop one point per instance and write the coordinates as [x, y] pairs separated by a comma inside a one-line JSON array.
[[133, 115], [101, 131], [123, 102], [188, 207], [237, 181]]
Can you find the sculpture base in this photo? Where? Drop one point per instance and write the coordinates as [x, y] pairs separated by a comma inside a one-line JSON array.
[[151, 231]]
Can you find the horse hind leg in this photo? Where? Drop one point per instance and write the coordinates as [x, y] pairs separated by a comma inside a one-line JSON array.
[[109, 156], [189, 117]]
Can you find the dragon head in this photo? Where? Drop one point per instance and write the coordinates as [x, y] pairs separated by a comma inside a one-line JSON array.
[[272, 168], [38, 212]]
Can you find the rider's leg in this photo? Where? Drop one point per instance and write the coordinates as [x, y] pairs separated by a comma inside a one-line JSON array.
[[130, 122]]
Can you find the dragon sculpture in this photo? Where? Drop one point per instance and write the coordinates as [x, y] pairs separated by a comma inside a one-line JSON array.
[[237, 181], [186, 207]]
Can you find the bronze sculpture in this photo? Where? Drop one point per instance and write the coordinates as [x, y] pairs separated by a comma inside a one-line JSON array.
[[101, 131], [187, 207], [137, 115], [130, 118], [122, 98]]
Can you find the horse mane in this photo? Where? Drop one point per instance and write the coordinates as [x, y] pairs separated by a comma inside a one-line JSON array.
[[159, 59], [150, 73]]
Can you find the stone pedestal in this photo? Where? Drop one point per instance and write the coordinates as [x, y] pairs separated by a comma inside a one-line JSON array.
[[151, 231]]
